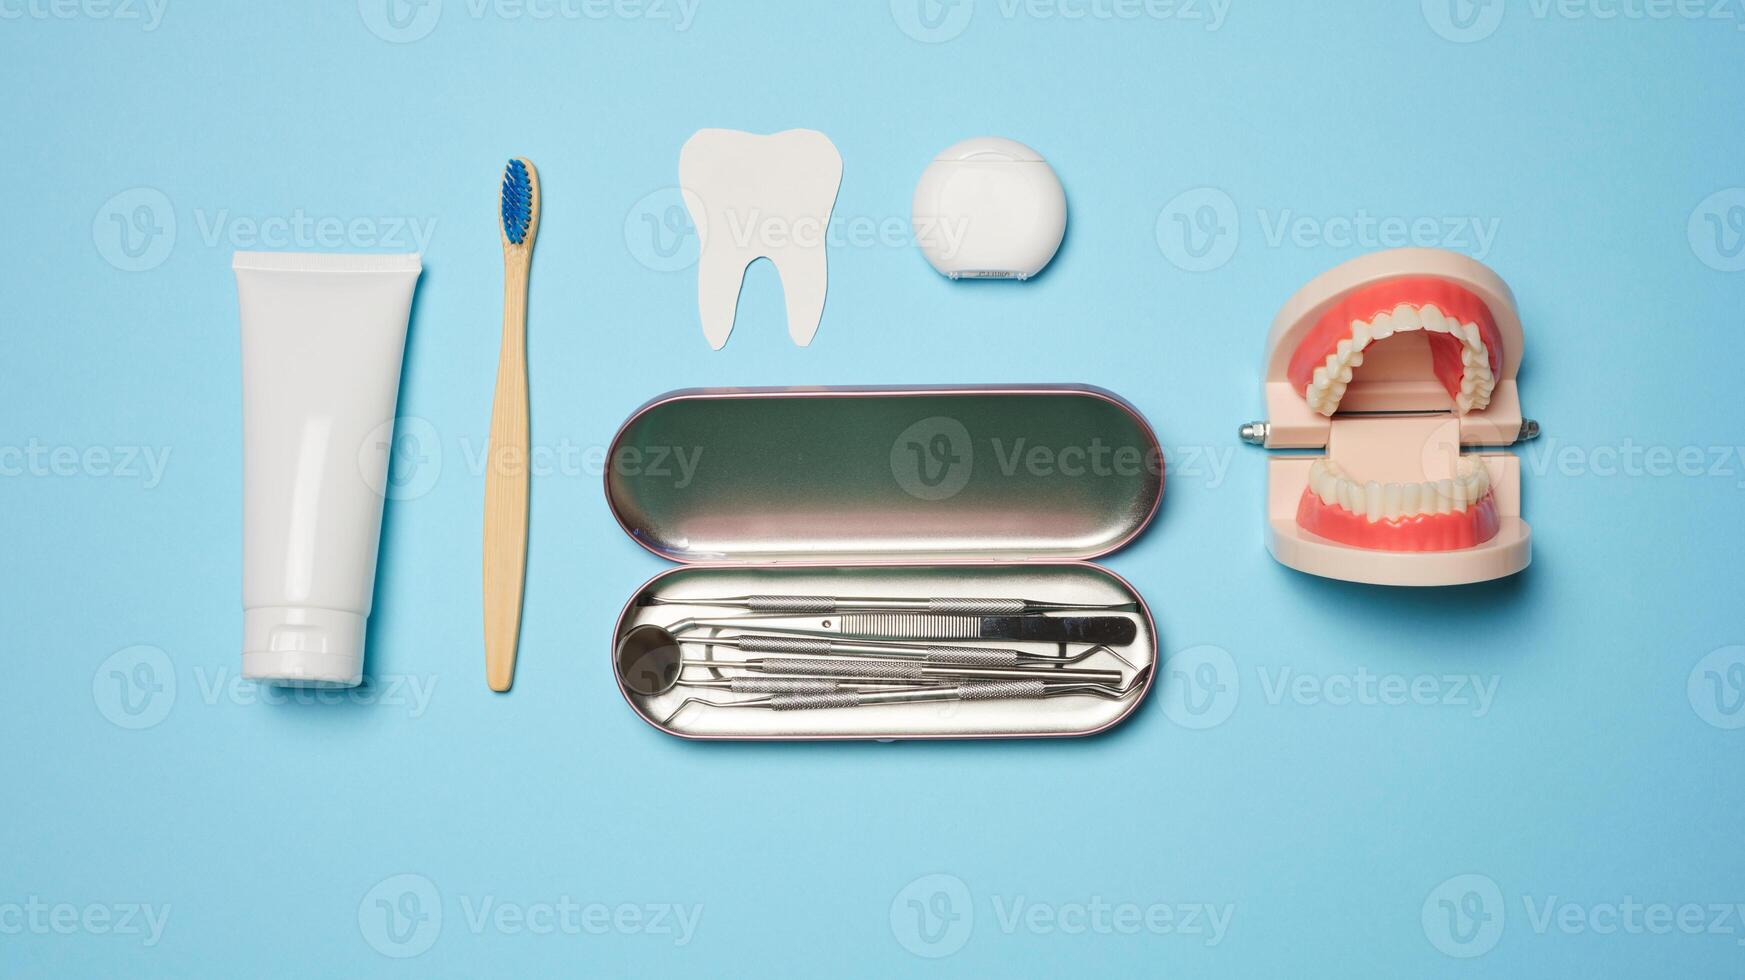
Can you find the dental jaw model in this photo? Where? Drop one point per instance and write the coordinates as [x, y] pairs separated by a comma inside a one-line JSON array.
[[753, 197], [1397, 364]]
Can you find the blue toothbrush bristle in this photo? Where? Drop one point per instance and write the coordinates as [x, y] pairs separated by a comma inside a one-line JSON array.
[[517, 202]]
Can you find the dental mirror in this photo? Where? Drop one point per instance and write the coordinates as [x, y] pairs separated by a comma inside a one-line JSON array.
[[649, 661]]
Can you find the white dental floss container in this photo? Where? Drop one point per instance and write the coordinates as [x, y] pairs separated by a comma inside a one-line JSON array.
[[989, 208]]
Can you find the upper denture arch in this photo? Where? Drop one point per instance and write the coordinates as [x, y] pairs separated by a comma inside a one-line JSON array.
[[1466, 346]]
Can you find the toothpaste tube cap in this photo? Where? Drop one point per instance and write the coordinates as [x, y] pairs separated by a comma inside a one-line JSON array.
[[303, 646]]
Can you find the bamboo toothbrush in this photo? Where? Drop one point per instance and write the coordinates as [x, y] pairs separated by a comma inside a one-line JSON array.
[[507, 460]]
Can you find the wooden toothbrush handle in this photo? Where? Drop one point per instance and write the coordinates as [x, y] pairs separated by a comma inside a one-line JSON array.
[[506, 473]]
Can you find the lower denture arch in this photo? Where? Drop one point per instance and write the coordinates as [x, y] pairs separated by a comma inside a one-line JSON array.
[[1436, 515], [1466, 348]]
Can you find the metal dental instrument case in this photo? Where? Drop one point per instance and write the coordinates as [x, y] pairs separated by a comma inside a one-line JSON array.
[[950, 524]]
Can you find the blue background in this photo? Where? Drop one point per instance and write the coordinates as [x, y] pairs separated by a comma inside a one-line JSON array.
[[1605, 768]]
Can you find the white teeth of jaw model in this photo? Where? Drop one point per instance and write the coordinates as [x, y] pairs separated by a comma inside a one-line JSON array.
[[753, 197]]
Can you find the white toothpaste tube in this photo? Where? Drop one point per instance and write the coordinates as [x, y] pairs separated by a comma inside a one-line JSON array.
[[323, 337]]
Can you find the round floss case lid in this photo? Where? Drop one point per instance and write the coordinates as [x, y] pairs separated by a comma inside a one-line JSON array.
[[989, 208]]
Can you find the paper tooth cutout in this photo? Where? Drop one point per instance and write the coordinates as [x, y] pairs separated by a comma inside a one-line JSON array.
[[753, 197]]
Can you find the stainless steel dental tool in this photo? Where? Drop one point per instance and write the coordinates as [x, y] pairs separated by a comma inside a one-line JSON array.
[[650, 661], [792, 685], [787, 644], [1101, 630], [1008, 690]]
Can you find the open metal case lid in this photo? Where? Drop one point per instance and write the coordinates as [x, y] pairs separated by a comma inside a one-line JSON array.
[[884, 474], [1395, 419]]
